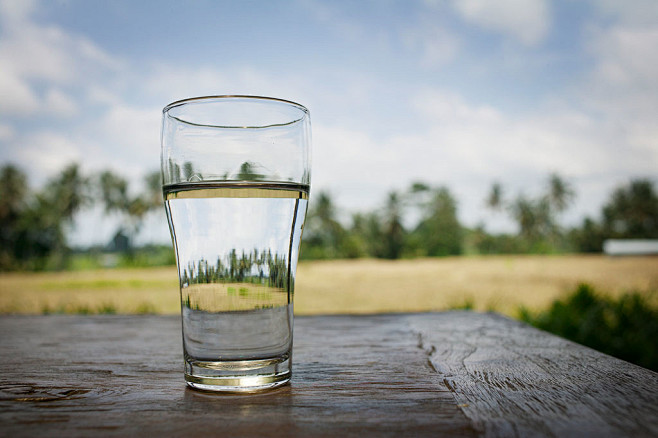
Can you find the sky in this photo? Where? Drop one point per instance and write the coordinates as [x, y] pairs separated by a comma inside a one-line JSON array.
[[457, 93]]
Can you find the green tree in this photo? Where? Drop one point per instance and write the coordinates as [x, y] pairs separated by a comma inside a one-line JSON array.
[[560, 193], [113, 191], [418, 187], [133, 208], [495, 198], [536, 217], [61, 199], [588, 237], [439, 232], [68, 192], [248, 172], [632, 211], [33, 224], [188, 170], [366, 235], [533, 217], [393, 232], [13, 193], [153, 194], [323, 234]]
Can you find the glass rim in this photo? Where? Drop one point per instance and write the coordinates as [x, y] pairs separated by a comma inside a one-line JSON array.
[[225, 97]]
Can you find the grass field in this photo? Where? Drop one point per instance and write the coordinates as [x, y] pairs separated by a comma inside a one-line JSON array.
[[500, 283]]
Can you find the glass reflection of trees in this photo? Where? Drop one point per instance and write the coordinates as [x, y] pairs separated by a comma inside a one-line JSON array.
[[255, 267]]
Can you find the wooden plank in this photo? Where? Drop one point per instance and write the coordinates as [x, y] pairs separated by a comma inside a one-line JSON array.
[[122, 376], [443, 374], [513, 380]]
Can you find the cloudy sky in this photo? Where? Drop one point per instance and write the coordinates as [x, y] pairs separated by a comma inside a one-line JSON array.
[[456, 93]]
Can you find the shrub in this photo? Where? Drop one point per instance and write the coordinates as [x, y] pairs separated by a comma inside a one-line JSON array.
[[626, 327]]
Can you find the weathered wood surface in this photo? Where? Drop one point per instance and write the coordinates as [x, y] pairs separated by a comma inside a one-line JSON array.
[[441, 374]]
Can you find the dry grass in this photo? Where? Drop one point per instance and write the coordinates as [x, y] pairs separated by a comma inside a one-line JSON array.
[[152, 290], [500, 283]]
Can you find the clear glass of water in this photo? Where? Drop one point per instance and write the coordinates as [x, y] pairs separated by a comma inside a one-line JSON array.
[[236, 179]]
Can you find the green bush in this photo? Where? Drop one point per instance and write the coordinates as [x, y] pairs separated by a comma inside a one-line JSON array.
[[626, 327]]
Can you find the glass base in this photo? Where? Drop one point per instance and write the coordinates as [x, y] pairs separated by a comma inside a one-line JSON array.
[[238, 375]]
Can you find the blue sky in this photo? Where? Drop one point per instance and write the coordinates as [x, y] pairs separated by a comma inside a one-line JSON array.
[[455, 93]]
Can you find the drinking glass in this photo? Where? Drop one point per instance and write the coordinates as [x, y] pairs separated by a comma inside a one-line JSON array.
[[236, 179]]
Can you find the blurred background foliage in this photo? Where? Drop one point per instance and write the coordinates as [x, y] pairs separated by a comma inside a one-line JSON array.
[[625, 327], [631, 212], [418, 221], [34, 224]]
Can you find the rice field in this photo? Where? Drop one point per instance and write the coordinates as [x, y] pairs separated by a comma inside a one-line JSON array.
[[498, 283]]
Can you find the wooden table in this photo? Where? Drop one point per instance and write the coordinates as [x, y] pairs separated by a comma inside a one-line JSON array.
[[438, 374]]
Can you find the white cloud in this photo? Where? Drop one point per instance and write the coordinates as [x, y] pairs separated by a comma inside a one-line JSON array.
[[635, 12], [170, 82], [467, 146], [12, 13], [343, 24], [624, 76], [436, 45], [528, 21], [176, 82], [59, 103], [485, 141], [621, 86], [126, 140], [45, 152], [343, 154], [48, 74], [7, 132], [45, 53], [99, 94], [628, 55], [33, 55], [16, 96]]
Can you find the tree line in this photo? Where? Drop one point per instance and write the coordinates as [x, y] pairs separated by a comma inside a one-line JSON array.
[[419, 221], [34, 223], [631, 212], [257, 267]]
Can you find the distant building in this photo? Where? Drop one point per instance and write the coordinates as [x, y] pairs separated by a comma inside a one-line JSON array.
[[119, 243], [619, 247]]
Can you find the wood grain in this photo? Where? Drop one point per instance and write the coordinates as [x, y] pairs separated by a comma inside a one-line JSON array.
[[441, 374], [514, 380], [122, 376]]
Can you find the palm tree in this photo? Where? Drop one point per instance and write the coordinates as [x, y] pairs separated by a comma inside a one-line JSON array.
[[115, 196], [495, 198], [153, 195], [68, 192], [560, 193], [114, 191]]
